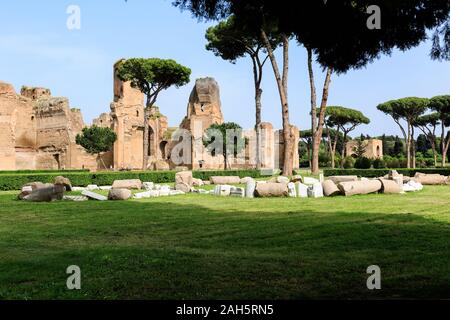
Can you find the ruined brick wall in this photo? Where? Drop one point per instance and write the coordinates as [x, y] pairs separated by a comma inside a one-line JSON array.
[[374, 148], [8, 112], [38, 131], [127, 114]]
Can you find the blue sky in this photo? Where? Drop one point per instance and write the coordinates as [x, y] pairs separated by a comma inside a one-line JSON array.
[[36, 48]]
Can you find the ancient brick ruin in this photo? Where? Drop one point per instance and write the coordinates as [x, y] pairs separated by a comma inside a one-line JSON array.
[[374, 148], [37, 131]]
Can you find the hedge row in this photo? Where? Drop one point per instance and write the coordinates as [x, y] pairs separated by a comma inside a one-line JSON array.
[[374, 173], [205, 175], [82, 179], [61, 172]]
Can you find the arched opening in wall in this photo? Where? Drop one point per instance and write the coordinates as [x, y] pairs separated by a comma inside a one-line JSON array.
[[58, 161], [151, 141], [162, 147], [378, 152], [137, 113]]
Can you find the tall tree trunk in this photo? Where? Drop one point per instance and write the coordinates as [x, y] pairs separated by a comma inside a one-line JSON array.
[[315, 150], [413, 148], [330, 147], [101, 160], [446, 146], [344, 146], [435, 156], [282, 89], [308, 147], [408, 147], [405, 135], [257, 75], [445, 142], [321, 122], [146, 139], [258, 127]]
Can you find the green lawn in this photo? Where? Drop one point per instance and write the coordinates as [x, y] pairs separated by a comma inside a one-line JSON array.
[[200, 246]]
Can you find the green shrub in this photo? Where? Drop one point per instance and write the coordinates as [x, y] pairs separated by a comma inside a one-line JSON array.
[[205, 175], [349, 163], [363, 163], [82, 179], [379, 164], [393, 163], [304, 163], [429, 162], [375, 173], [61, 172]]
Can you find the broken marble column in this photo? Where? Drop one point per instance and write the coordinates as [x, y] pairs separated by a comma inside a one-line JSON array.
[[130, 184], [148, 186], [330, 189], [430, 179], [184, 181], [225, 180], [250, 188], [271, 190], [339, 179], [310, 181], [390, 186], [222, 190], [302, 190], [291, 190], [75, 198], [352, 188], [315, 191], [47, 194], [146, 194], [94, 196], [237, 192], [119, 194]]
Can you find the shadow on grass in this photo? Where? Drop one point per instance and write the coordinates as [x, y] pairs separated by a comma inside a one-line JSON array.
[[181, 249]]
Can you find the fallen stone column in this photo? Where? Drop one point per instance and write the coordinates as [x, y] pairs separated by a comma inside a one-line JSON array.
[[330, 189], [47, 194], [127, 184], [359, 187], [302, 190], [315, 191], [430, 179], [222, 190], [225, 180], [339, 179], [94, 196], [390, 186], [264, 190], [119, 194]]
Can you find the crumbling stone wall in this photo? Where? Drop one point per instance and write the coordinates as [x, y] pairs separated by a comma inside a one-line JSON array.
[[374, 148], [127, 118], [38, 131]]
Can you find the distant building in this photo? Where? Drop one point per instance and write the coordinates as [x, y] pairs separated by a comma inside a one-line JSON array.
[[374, 148]]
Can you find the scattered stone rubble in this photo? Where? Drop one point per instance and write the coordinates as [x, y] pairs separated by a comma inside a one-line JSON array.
[[301, 187]]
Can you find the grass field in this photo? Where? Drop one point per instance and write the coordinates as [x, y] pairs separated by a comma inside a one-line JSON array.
[[200, 246]]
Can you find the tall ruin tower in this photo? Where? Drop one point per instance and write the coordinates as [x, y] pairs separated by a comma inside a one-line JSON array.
[[127, 113], [203, 110]]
